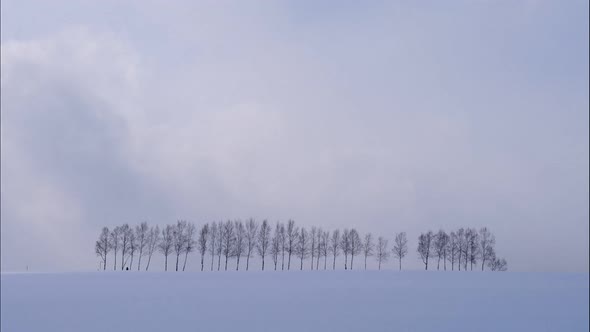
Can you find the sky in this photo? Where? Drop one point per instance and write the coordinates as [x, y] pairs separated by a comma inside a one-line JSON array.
[[386, 116]]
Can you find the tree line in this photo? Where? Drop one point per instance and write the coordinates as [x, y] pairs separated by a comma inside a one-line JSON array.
[[285, 244]]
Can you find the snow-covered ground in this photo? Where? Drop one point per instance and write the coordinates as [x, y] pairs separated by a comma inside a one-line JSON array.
[[295, 301]]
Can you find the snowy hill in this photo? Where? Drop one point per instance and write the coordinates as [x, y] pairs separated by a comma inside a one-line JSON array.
[[295, 301]]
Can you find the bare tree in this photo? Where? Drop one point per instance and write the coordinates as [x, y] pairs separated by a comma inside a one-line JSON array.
[[453, 249], [302, 245], [189, 242], [381, 251], [251, 238], [461, 245], [132, 246], [167, 243], [335, 246], [125, 239], [291, 239], [141, 234], [114, 239], [472, 246], [178, 239], [213, 242], [283, 244], [275, 245], [263, 240], [153, 240], [400, 247], [497, 264], [368, 247], [425, 242], [202, 243], [219, 244], [356, 245], [103, 246], [446, 250], [228, 239], [312, 237], [487, 240], [240, 242], [466, 247], [440, 247], [318, 248], [325, 243], [345, 246]]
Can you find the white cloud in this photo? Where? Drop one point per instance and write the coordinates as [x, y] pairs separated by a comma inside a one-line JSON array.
[[360, 120]]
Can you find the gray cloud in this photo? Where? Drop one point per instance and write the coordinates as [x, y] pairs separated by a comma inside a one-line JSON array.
[[390, 118]]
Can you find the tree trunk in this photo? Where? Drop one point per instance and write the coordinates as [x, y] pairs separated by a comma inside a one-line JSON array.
[[225, 262], [365, 262], [247, 261], [140, 255], [438, 264], [148, 264], [301, 268], [325, 260], [219, 262], [202, 262], [400, 263], [351, 260], [184, 264], [283, 261], [345, 261], [115, 266], [289, 263], [177, 257], [166, 263], [262, 262], [238, 263], [212, 258]]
